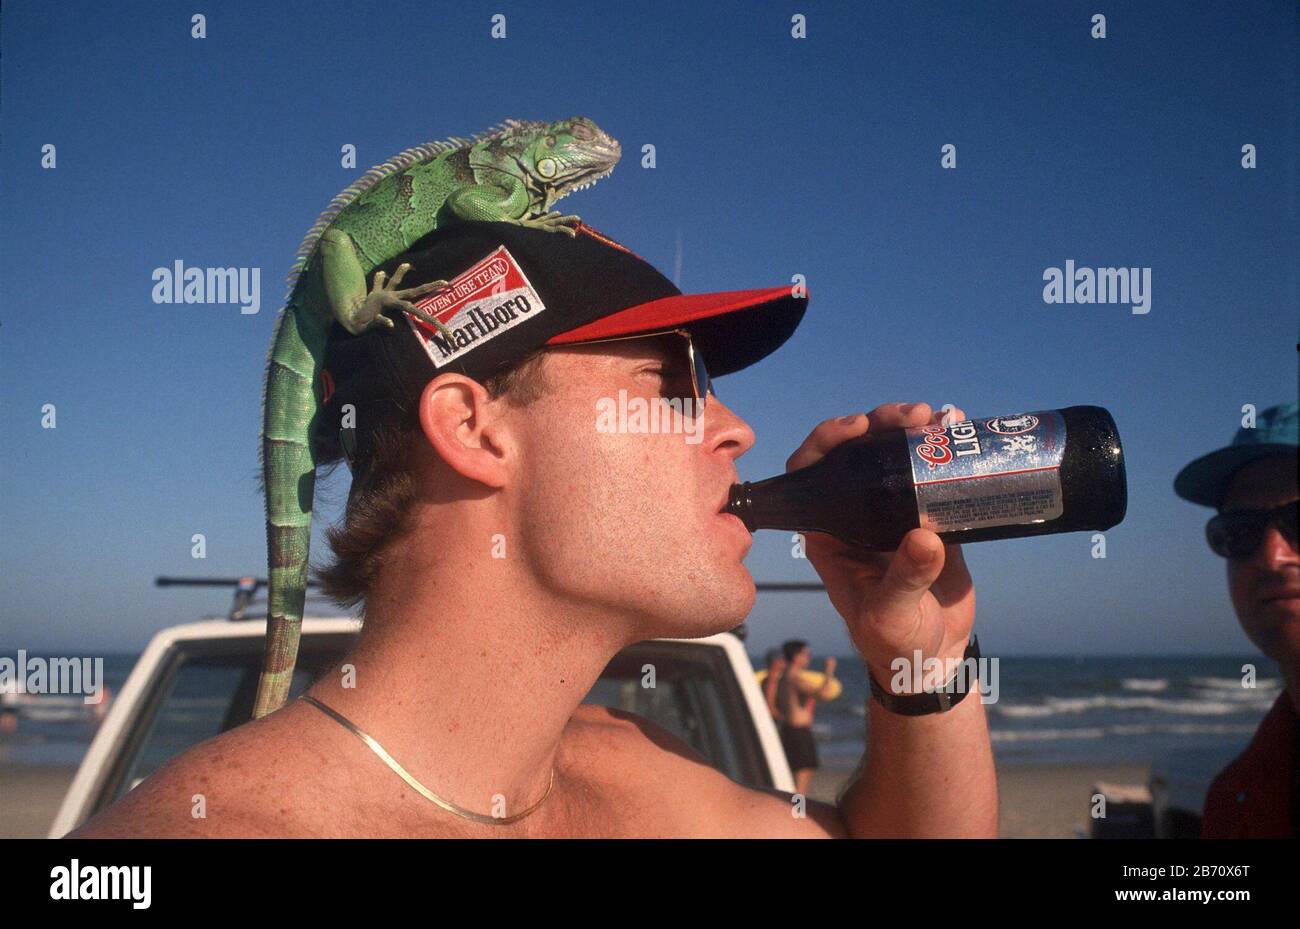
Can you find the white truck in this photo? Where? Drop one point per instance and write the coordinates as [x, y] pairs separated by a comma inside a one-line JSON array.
[[197, 680]]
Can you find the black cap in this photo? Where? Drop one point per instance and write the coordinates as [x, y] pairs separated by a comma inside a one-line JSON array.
[[515, 289]]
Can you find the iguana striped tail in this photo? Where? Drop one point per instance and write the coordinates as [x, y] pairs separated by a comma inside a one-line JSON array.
[[289, 476]]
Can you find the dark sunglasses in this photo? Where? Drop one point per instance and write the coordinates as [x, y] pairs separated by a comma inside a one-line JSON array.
[[1237, 533], [701, 383]]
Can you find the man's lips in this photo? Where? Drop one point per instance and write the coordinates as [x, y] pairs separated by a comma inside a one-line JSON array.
[[741, 528], [726, 494], [1289, 593]]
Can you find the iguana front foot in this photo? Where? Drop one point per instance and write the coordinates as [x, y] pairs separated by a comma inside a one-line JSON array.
[[384, 295], [551, 222]]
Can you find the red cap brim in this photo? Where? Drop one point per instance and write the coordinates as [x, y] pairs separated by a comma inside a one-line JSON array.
[[737, 327]]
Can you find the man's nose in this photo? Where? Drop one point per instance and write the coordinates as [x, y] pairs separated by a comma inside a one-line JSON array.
[[726, 425], [1275, 550]]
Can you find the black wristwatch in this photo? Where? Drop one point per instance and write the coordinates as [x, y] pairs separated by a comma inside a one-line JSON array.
[[938, 701]]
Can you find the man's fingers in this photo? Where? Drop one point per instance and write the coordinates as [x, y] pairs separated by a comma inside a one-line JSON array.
[[900, 415], [914, 568], [828, 434], [831, 432], [954, 582], [949, 416]]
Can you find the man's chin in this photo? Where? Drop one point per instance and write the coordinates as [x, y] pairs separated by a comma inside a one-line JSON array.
[[1276, 630], [715, 607], [703, 631], [1281, 612]]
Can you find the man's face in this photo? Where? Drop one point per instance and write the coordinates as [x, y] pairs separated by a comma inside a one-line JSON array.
[[628, 520], [1265, 585], [802, 658]]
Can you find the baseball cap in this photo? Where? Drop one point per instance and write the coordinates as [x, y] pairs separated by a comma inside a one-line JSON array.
[[513, 290], [1205, 480]]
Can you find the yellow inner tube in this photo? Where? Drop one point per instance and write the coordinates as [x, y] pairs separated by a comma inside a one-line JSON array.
[[813, 679]]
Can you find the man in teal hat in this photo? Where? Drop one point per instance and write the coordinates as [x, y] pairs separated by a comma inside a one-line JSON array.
[[1252, 483]]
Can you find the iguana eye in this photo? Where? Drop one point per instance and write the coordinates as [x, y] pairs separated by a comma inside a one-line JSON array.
[[546, 167]]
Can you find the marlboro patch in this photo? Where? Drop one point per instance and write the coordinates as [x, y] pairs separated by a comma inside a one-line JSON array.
[[480, 304]]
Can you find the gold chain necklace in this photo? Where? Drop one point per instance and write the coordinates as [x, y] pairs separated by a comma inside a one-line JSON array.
[[416, 785]]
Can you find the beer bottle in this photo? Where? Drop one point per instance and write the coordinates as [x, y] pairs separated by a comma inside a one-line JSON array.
[[984, 478]]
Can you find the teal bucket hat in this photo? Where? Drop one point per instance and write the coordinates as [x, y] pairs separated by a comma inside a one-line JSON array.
[[1206, 479]]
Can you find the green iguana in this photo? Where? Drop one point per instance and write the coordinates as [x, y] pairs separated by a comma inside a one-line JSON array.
[[511, 173]]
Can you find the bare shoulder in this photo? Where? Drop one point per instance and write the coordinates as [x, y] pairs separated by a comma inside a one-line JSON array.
[[622, 731], [225, 787], [674, 789]]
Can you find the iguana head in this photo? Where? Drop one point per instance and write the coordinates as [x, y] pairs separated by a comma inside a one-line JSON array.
[[552, 159]]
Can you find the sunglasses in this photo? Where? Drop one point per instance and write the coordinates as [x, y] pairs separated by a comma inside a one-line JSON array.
[[1237, 533], [701, 383]]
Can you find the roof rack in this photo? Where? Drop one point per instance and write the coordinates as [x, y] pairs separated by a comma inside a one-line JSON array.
[[246, 589]]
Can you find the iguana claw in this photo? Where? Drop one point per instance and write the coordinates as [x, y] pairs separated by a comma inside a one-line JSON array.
[[550, 221], [383, 296]]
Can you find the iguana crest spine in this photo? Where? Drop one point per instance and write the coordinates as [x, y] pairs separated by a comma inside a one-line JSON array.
[[399, 162]]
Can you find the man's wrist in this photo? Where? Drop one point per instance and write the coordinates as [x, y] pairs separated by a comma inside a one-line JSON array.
[[935, 686], [919, 673]]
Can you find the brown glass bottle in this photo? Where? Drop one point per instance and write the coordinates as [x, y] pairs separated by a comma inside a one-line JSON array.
[[984, 478]]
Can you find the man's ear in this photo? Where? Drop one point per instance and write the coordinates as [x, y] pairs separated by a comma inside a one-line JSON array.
[[466, 428]]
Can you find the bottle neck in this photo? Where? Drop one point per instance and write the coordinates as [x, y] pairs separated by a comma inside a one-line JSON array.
[[739, 503], [781, 502]]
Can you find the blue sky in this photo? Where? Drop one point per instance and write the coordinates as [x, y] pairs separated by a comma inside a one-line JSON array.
[[775, 157]]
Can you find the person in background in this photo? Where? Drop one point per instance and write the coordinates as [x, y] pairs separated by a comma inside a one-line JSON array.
[[776, 666], [796, 700], [1252, 483]]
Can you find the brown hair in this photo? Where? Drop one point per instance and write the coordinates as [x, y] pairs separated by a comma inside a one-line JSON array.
[[377, 516]]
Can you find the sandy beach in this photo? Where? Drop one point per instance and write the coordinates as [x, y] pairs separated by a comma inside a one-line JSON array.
[[1038, 801], [29, 797]]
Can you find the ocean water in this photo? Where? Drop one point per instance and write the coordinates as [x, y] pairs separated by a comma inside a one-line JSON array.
[[1072, 710], [61, 736], [1093, 709]]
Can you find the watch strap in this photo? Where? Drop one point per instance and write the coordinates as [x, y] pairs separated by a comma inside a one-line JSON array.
[[937, 701]]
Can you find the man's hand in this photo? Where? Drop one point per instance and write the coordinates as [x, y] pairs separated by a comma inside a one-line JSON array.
[[919, 598]]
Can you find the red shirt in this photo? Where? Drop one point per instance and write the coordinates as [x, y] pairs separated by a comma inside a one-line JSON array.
[[1257, 796]]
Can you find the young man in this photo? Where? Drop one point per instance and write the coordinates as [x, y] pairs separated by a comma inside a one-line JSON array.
[[506, 547], [1253, 485], [797, 701]]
